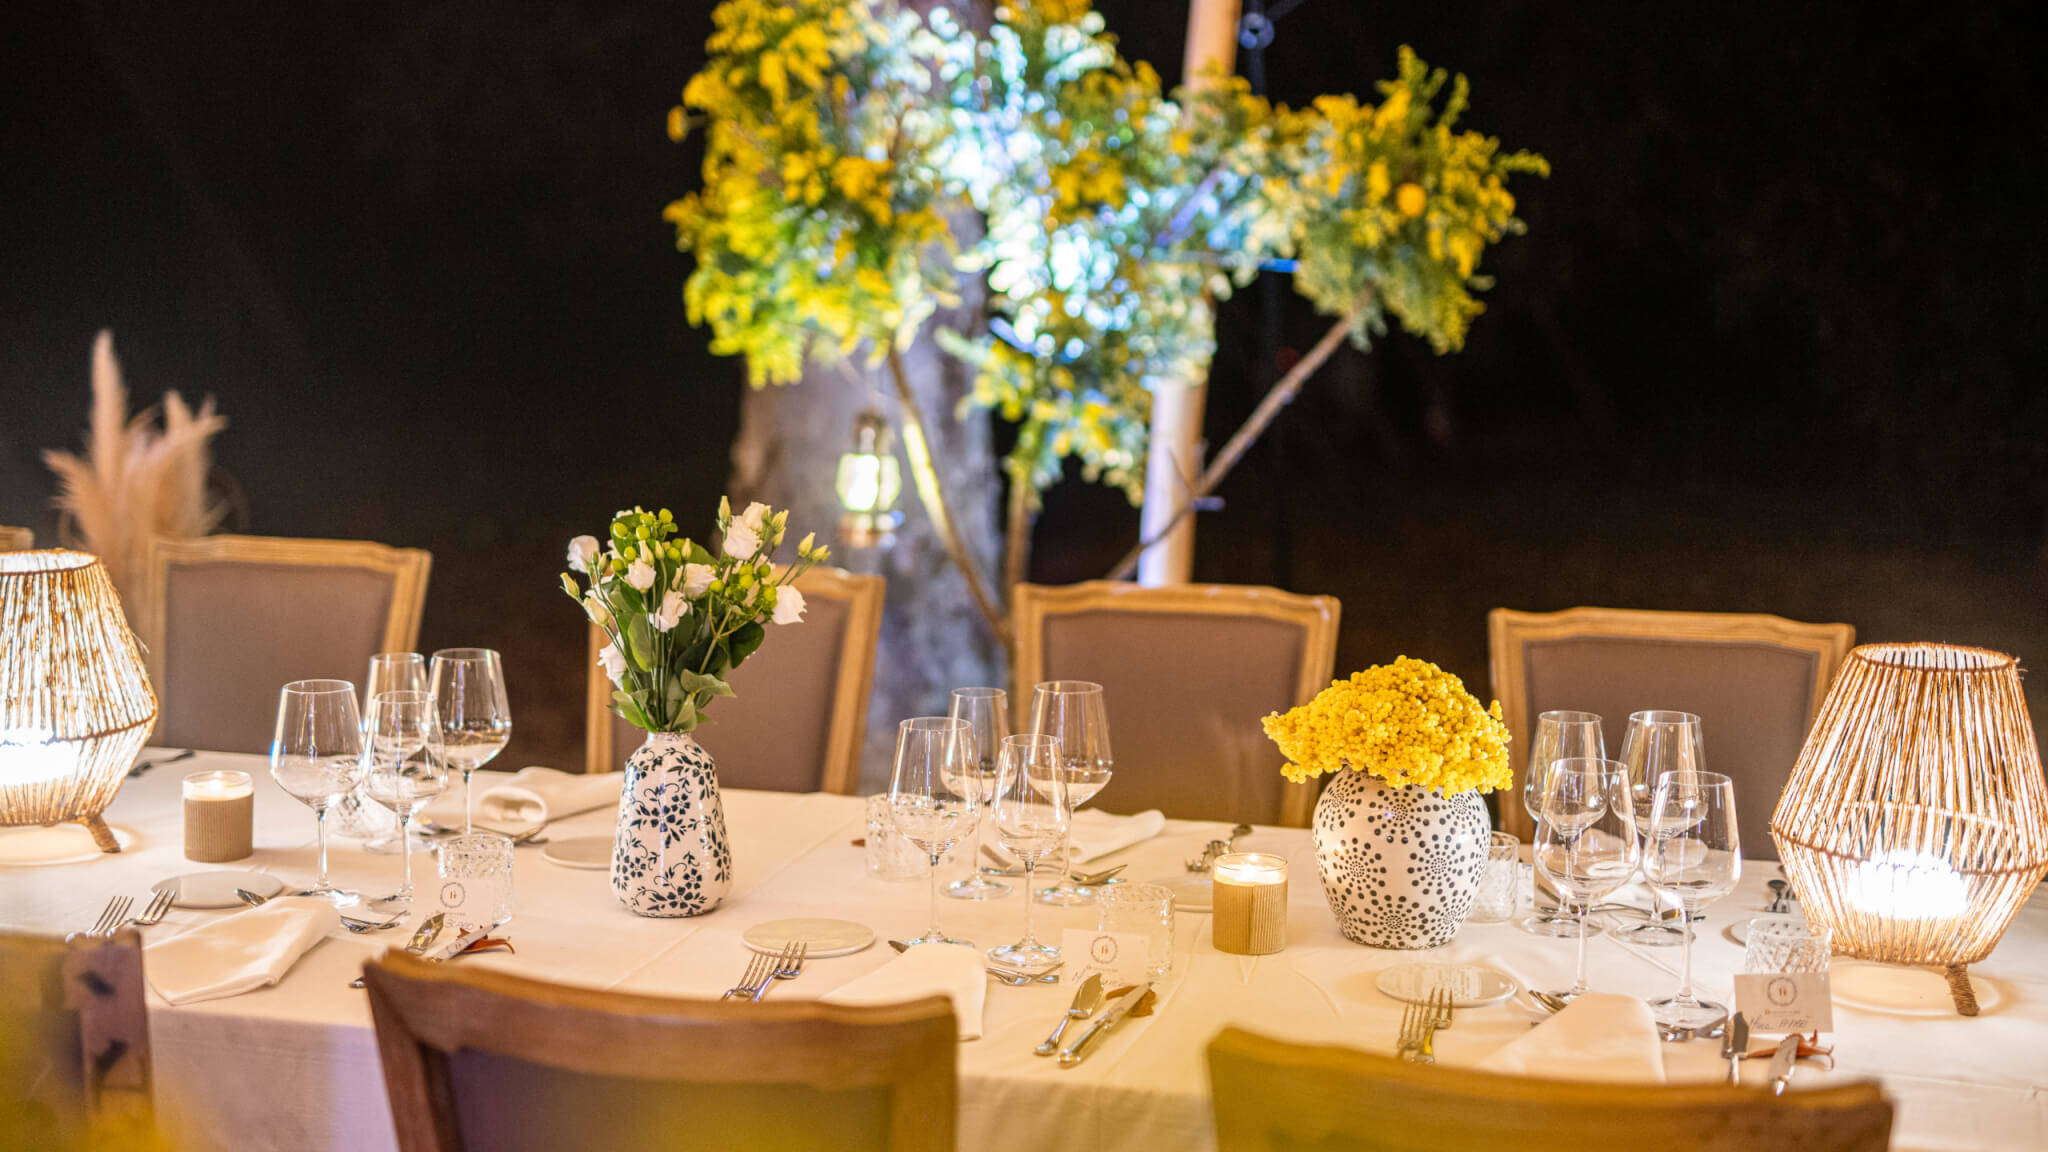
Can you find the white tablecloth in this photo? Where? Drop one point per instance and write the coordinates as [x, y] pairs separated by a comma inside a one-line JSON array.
[[295, 1066]]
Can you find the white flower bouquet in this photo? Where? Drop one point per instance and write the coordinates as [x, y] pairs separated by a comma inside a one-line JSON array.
[[679, 619]]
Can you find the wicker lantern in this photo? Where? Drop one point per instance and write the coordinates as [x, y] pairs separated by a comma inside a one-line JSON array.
[[75, 702], [1916, 820]]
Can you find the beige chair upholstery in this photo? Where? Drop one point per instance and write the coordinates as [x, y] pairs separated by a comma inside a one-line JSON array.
[[476, 1060], [1187, 672], [229, 620], [74, 1043], [1272, 1096], [799, 706], [1754, 681], [16, 539]]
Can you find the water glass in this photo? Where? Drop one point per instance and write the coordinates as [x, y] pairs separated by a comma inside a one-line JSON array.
[[1558, 736], [890, 856], [1785, 944], [1499, 884], [1141, 908], [476, 880]]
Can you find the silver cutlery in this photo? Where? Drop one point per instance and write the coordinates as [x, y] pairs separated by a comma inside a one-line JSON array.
[[433, 831], [423, 937], [1018, 979], [1086, 1001], [1783, 1062], [352, 923], [1735, 1042], [110, 918], [1440, 1001], [789, 964], [1781, 897], [1549, 1002], [145, 765], [1413, 1042], [1216, 848], [1103, 1025], [1083, 879], [159, 904], [760, 966]]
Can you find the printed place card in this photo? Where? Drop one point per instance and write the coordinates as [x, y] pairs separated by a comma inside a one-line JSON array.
[[1785, 1002], [1119, 956]]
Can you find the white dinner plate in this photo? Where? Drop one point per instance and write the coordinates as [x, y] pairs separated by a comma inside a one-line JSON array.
[[591, 852], [821, 937], [216, 889], [1193, 892], [1471, 985], [1896, 990]]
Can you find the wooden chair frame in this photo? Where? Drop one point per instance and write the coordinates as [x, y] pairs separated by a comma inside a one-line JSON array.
[[863, 595], [408, 568], [97, 980], [1313, 1093], [423, 1012], [1509, 633], [16, 539], [1316, 616]]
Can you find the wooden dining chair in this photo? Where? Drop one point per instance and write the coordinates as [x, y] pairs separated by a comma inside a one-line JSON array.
[[1271, 1095], [1187, 671], [228, 620], [16, 539], [1754, 681], [74, 1042], [798, 712], [478, 1060]]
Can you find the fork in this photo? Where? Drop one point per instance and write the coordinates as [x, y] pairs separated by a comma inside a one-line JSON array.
[[1412, 1040], [759, 967], [158, 905], [351, 923], [788, 966], [110, 918]]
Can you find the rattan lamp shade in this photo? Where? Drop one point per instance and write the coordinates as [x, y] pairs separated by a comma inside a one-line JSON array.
[[75, 702], [1916, 820]]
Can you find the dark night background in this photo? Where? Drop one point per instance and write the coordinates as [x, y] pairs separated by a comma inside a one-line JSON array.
[[1772, 342]]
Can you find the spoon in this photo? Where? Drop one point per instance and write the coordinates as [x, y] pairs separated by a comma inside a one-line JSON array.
[[1780, 899], [1549, 1002], [1083, 879]]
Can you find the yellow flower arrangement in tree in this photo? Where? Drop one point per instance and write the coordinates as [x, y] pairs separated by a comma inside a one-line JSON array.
[[1408, 723]]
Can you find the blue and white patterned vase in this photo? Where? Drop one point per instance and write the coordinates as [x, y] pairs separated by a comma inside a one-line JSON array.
[[1399, 865], [670, 857]]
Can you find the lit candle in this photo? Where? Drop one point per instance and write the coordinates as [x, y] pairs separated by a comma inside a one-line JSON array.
[[1250, 917], [220, 814]]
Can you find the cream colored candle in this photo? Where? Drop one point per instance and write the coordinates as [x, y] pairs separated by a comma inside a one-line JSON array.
[[1250, 916], [220, 814]]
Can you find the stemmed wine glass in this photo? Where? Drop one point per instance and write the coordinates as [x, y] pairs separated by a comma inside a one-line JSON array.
[[400, 726], [935, 795], [1658, 743], [1072, 712], [1558, 736], [473, 717], [1030, 813], [988, 710], [1585, 838], [1692, 856], [357, 814], [316, 755]]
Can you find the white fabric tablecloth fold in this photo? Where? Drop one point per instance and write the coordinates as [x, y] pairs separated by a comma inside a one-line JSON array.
[[925, 970], [1598, 1036], [246, 951]]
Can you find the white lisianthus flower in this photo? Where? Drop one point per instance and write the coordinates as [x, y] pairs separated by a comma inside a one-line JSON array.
[[697, 579], [614, 662], [640, 575], [741, 542], [593, 606], [673, 608], [756, 518], [789, 605], [582, 551]]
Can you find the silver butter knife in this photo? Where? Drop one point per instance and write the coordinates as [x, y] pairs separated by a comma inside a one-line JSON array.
[[423, 937], [1783, 1062], [1733, 1044], [1111, 1016]]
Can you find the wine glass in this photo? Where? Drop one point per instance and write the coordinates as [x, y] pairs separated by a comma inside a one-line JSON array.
[[316, 755], [1692, 856], [400, 726], [357, 814], [473, 718], [1585, 837], [1657, 744], [1030, 814], [1558, 736], [935, 795], [1072, 712], [988, 710]]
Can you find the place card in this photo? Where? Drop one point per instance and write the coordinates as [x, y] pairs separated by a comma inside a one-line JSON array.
[[1784, 1002], [1120, 957]]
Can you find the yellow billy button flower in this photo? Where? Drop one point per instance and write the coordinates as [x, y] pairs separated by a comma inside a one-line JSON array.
[[1409, 723], [676, 124], [1410, 200]]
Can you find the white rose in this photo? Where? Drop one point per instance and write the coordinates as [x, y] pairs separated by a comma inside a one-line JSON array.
[[640, 575], [756, 518], [582, 550], [598, 613], [614, 662], [789, 605], [697, 579], [741, 542], [673, 608]]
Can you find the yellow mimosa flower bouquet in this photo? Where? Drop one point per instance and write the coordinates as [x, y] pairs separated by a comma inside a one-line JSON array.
[[1408, 723]]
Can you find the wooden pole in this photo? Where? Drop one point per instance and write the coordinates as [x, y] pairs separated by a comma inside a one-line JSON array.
[[917, 447]]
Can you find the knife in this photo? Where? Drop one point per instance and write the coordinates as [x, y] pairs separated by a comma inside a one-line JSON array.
[[1733, 1044], [1111, 1016], [1783, 1063], [422, 938]]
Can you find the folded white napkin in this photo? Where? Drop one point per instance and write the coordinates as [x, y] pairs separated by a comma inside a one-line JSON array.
[[925, 970], [1598, 1036], [528, 797], [244, 952], [1093, 834]]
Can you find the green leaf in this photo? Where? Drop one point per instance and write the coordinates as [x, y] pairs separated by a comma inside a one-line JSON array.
[[699, 556], [639, 640], [744, 641]]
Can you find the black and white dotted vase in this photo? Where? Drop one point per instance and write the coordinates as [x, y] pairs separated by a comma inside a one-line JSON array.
[[1399, 865], [670, 857]]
